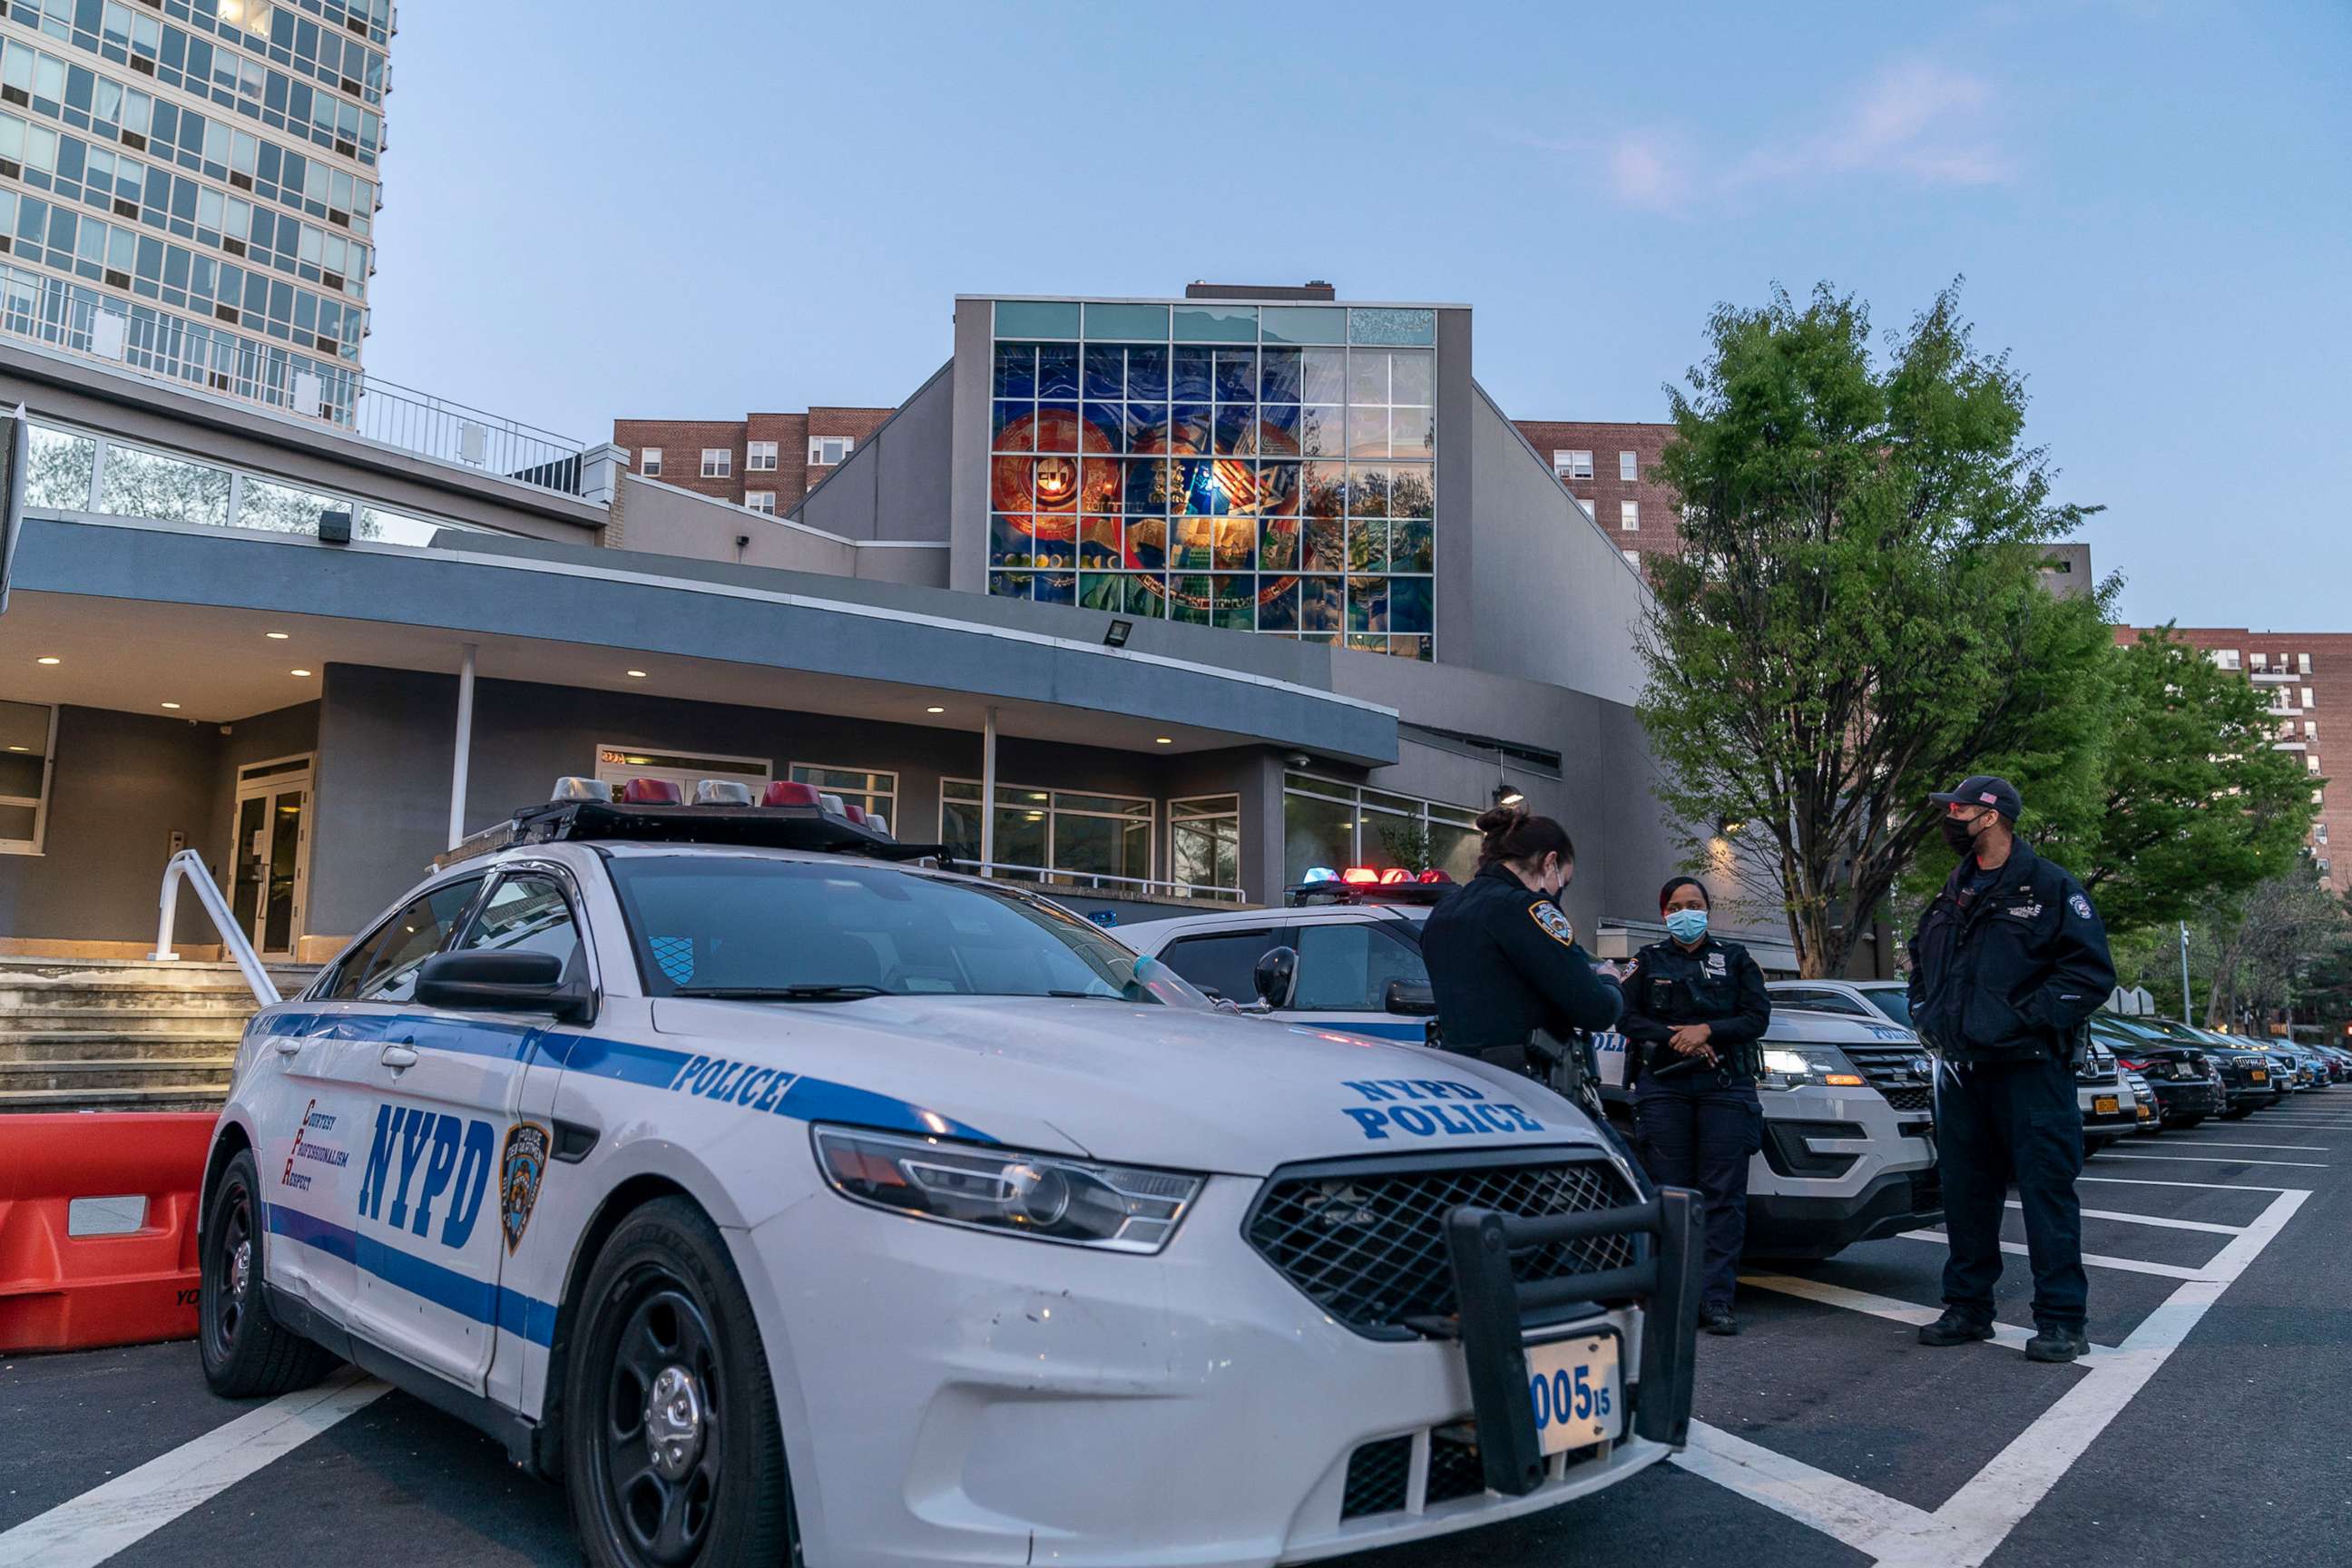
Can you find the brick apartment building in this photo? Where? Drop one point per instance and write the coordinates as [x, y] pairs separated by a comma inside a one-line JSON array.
[[2308, 679], [1611, 468], [765, 461]]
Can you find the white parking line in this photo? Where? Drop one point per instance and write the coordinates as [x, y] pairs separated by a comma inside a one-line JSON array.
[[2303, 1148], [1974, 1521], [1886, 1307], [83, 1531], [2158, 1220], [2200, 1186], [2220, 1160], [2095, 1260]]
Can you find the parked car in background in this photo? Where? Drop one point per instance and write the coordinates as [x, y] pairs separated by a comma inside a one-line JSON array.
[[1890, 999], [2184, 1081], [2143, 1104], [2249, 1076], [2108, 1109], [2339, 1062]]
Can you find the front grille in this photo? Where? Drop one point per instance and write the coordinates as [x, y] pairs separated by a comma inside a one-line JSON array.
[[1378, 1473], [1902, 1074], [1366, 1242], [1455, 1468]]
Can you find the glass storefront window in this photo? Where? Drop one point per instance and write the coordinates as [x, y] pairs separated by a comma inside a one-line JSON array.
[[871, 790], [145, 484], [59, 472], [1327, 821], [1053, 836], [1263, 469], [27, 731], [1205, 843]]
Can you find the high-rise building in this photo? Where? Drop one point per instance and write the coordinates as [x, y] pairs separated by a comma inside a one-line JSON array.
[[189, 188], [2308, 675]]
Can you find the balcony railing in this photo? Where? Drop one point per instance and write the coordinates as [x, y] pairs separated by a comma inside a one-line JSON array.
[[163, 347]]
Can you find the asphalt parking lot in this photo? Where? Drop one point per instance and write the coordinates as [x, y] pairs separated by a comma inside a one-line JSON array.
[[2206, 1427]]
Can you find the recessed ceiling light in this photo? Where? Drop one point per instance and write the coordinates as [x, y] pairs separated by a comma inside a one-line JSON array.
[[48, 658], [301, 672], [278, 637], [635, 674], [17, 748], [934, 709], [171, 705], [1162, 740]]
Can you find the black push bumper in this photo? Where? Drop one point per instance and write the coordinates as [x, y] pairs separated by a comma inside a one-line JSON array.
[[1662, 1278]]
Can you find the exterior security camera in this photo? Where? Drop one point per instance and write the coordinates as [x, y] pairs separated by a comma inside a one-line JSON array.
[[1298, 759]]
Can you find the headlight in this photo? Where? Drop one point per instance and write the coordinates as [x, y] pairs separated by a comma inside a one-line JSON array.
[[1794, 1067], [1118, 1207]]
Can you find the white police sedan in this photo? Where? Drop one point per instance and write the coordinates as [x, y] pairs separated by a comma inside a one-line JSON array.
[[778, 1193]]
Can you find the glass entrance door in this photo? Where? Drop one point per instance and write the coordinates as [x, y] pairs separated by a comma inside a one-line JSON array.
[[271, 854]]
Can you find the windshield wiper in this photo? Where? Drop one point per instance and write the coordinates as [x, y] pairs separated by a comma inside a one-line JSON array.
[[1090, 996], [813, 992]]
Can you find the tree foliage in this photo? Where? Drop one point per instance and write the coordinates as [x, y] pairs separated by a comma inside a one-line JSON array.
[[1854, 617]]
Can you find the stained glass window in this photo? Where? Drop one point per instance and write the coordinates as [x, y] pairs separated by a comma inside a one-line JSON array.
[[1267, 468]]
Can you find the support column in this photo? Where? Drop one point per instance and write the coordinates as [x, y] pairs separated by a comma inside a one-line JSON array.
[[464, 750], [988, 792]]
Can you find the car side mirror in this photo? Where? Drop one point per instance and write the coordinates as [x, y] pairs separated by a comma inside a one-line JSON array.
[[502, 982], [1276, 977], [1413, 998]]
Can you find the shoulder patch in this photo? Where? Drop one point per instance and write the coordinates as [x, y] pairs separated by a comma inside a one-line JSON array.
[[1556, 925], [2079, 905]]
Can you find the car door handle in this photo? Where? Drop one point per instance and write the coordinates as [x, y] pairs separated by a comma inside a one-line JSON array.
[[397, 1057], [288, 1044]]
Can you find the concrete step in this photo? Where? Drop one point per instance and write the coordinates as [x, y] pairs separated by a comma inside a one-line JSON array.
[[67, 1047], [164, 1098], [77, 1076], [25, 1023]]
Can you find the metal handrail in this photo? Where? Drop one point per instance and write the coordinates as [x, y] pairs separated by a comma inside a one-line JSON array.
[[1101, 881], [188, 866]]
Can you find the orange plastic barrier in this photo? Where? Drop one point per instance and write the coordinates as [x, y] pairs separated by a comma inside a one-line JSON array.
[[61, 1291]]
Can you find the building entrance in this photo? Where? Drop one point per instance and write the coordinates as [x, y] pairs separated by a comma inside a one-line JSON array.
[[270, 853]]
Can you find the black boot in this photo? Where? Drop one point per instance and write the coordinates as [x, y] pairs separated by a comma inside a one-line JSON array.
[[2058, 1343], [1954, 1328], [1718, 1320]]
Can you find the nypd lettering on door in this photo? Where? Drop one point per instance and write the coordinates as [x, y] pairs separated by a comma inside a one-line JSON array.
[[428, 1163]]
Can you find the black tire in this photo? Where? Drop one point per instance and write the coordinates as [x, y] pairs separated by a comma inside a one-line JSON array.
[[2182, 1123], [2092, 1145], [245, 1352], [663, 1298], [2237, 1114]]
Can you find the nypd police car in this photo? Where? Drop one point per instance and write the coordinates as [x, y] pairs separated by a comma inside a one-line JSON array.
[[780, 1191]]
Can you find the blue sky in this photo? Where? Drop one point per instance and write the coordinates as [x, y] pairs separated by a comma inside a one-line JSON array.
[[597, 209]]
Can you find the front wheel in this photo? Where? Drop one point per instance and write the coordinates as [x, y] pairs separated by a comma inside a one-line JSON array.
[[2237, 1114], [2182, 1123], [245, 1351], [673, 1452]]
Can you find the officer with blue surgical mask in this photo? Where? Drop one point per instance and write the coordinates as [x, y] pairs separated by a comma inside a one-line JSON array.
[[1695, 1008]]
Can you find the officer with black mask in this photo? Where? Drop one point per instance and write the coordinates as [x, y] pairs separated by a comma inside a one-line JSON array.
[[2008, 966], [1695, 1008], [1504, 963]]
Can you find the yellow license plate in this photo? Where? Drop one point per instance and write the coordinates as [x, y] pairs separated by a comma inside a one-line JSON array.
[[1573, 1382], [2259, 1075], [2102, 1105]]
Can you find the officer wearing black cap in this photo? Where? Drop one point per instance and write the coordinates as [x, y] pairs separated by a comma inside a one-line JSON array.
[[2008, 964], [1695, 1007], [1504, 963]]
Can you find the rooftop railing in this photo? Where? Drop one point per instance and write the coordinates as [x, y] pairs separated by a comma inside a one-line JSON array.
[[160, 346]]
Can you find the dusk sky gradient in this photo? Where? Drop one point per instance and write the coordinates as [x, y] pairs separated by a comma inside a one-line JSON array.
[[596, 209]]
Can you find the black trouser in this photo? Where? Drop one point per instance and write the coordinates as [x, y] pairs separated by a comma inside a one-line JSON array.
[[1997, 1122], [1696, 1130]]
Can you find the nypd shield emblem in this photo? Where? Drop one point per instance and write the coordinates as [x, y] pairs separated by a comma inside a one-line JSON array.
[[1556, 925], [2080, 906], [520, 1172]]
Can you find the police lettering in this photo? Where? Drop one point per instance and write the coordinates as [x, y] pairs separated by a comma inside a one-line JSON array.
[[734, 1083], [1455, 1109], [455, 1155]]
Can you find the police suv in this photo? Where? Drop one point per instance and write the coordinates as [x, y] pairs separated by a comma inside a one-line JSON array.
[[1849, 1124], [777, 1191]]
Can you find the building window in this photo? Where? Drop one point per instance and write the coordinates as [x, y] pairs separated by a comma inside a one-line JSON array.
[[718, 463], [2319, 832], [1629, 467], [2258, 661], [1572, 465], [29, 739], [871, 790], [2310, 765], [618, 764], [2223, 658], [649, 462], [760, 500], [825, 451], [1205, 846], [2306, 697], [2303, 664], [1268, 469], [1632, 558], [1055, 835], [760, 457], [2311, 729], [1629, 516], [1330, 824]]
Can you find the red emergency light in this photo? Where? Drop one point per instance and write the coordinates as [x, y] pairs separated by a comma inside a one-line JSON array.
[[1396, 874], [1359, 875], [783, 792], [855, 812], [649, 792]]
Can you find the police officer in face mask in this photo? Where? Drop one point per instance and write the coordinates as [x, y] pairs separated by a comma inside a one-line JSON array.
[[2008, 966], [1504, 963], [1695, 1008]]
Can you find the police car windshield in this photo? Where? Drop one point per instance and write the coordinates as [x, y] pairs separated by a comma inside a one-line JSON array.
[[762, 928], [1891, 999]]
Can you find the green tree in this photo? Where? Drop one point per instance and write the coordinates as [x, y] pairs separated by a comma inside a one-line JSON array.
[[2194, 807], [1854, 617]]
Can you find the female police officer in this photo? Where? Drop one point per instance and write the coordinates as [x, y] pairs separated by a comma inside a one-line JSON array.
[[1695, 1008], [1503, 960]]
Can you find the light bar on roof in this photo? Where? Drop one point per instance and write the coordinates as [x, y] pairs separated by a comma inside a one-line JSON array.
[[648, 792], [721, 792]]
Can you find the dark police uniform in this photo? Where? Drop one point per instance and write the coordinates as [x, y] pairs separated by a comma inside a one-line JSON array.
[[2007, 967], [1502, 963], [1696, 1126]]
